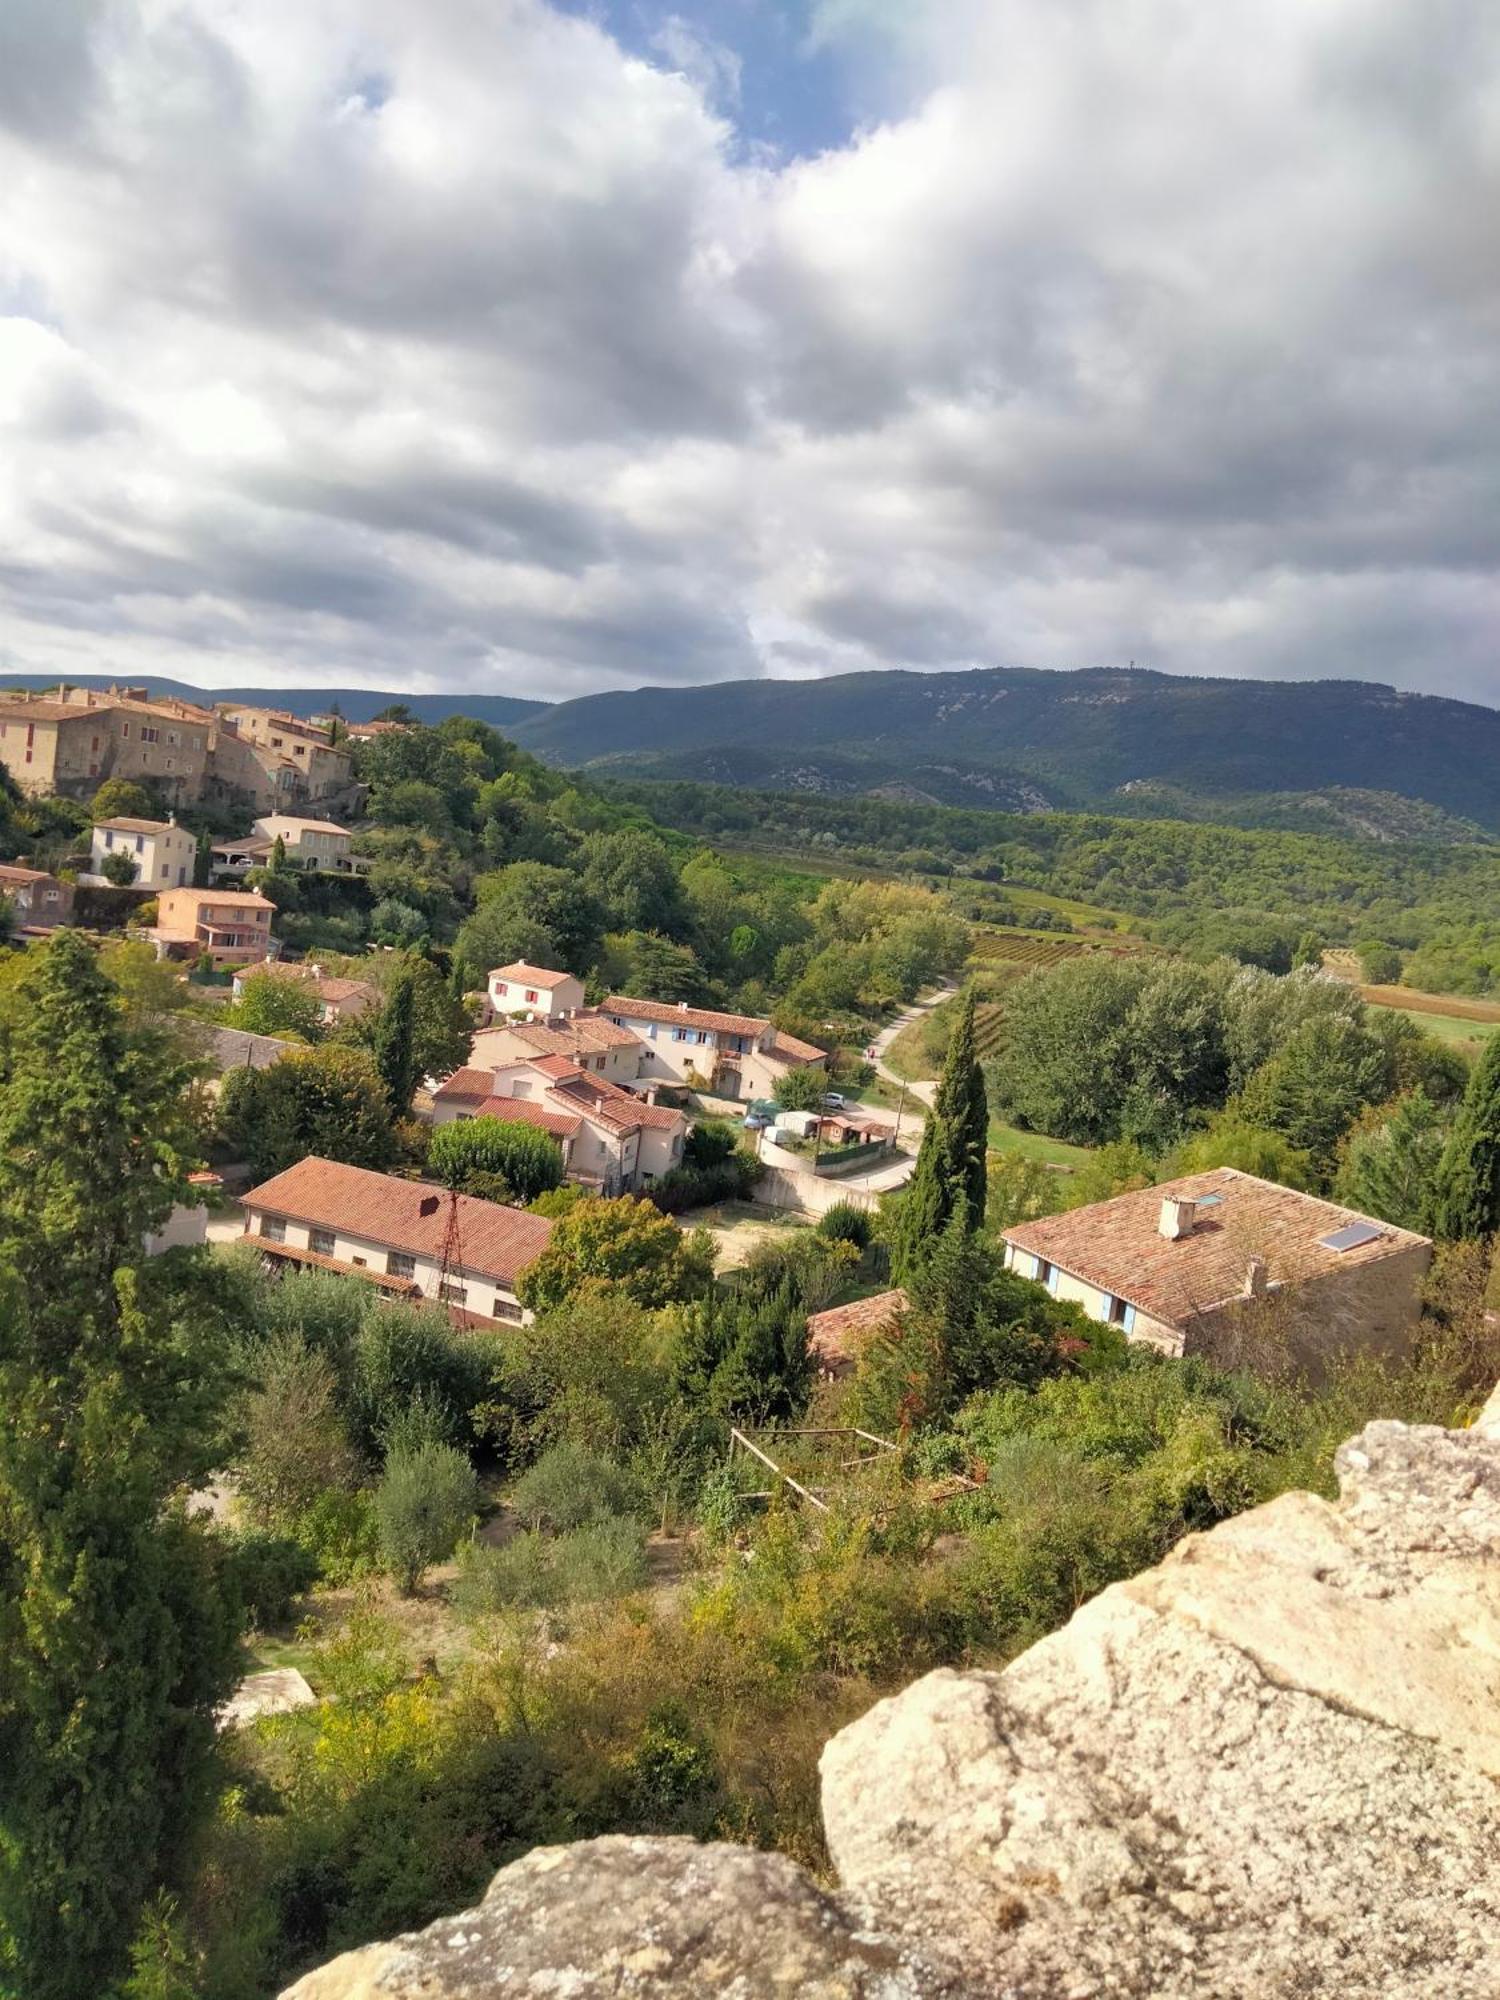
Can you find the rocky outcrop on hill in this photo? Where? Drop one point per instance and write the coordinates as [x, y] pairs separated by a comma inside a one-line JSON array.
[[1265, 1770]]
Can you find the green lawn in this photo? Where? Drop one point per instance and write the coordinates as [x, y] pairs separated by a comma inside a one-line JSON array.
[[1005, 1138]]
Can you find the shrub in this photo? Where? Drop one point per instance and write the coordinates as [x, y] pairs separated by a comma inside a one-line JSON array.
[[844, 1223], [527, 1159], [518, 1572], [801, 1089], [118, 869], [421, 1508], [688, 1187], [265, 1572], [604, 1559], [339, 1532], [569, 1487]]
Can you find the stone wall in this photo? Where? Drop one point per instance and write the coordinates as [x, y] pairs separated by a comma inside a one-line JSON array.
[[1266, 1770]]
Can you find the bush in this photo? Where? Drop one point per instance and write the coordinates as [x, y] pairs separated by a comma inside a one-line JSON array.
[[422, 1506], [801, 1089], [604, 1559], [844, 1223], [688, 1187], [118, 869], [527, 1159], [569, 1487], [339, 1532], [265, 1572], [518, 1572]]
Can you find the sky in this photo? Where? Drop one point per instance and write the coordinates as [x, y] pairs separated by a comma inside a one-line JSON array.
[[529, 348]]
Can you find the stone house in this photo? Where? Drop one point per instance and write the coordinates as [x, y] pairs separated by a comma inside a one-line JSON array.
[[340, 999], [589, 1040], [409, 1238], [1239, 1270], [37, 897], [69, 740]]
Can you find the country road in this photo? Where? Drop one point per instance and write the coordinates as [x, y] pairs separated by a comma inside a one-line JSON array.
[[924, 1092]]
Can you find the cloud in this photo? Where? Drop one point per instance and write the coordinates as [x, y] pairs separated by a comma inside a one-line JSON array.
[[457, 346]]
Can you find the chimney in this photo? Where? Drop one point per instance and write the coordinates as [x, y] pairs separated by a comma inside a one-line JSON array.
[[1255, 1278], [1178, 1214], [682, 1006]]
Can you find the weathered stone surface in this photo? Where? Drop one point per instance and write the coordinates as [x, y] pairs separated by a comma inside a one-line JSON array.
[[1263, 1769], [624, 1917], [1267, 1770]]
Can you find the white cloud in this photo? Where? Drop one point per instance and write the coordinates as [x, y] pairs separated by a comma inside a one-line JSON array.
[[450, 345]]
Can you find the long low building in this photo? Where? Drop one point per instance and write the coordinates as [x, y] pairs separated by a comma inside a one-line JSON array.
[[407, 1237], [1233, 1268]]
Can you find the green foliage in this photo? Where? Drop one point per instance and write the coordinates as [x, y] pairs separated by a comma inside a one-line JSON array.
[[329, 1101], [264, 1573], [626, 1245], [271, 1005], [1230, 1139], [801, 1089], [118, 868], [844, 1223], [570, 1486], [393, 1043], [949, 1178], [123, 798], [1391, 1163], [588, 1372], [116, 1642], [1468, 1203], [1379, 963], [296, 1442], [604, 1558], [1317, 1083], [530, 910], [527, 1159], [423, 1503]]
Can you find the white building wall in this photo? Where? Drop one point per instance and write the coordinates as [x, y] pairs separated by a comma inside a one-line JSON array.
[[482, 1294]]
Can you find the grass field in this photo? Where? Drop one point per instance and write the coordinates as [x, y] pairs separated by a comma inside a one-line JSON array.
[[1011, 1139], [1447, 1027]]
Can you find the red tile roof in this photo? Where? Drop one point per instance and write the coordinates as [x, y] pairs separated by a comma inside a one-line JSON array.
[[531, 975], [465, 1085], [1118, 1246], [787, 1048], [835, 1337], [492, 1241], [615, 1106], [522, 1111], [579, 1034], [619, 1004], [152, 826], [21, 876]]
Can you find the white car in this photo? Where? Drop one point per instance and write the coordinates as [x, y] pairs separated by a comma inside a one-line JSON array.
[[832, 1101]]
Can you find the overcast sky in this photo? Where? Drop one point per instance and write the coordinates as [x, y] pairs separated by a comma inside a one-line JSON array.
[[531, 348]]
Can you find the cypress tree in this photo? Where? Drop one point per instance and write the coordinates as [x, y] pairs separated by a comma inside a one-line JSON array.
[[394, 1043], [115, 1645], [950, 1170], [1469, 1178]]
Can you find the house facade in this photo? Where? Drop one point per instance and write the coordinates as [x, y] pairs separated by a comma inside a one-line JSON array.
[[409, 1238], [733, 1055], [69, 740], [36, 897], [313, 843], [232, 925], [163, 851], [277, 761], [1236, 1269], [532, 992], [612, 1141]]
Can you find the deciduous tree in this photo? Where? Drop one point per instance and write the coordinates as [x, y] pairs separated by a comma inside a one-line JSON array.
[[624, 1245]]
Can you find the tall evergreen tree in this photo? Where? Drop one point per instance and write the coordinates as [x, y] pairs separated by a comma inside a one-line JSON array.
[[950, 1170], [1469, 1179], [115, 1645], [394, 1041]]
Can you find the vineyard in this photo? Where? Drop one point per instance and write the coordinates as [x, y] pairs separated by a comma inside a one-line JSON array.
[[988, 1017], [1007, 947]]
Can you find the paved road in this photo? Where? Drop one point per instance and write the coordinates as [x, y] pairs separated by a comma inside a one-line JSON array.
[[924, 1092]]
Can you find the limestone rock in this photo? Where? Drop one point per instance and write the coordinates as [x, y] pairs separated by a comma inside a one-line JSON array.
[[1262, 1770], [624, 1917]]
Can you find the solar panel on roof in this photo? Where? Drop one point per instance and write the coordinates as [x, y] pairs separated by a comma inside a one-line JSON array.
[[1352, 1235]]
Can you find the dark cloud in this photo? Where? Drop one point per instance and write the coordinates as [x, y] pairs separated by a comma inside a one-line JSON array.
[[453, 345]]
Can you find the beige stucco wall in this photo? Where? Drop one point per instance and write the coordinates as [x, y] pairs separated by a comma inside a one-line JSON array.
[[163, 860], [1372, 1308], [483, 1294], [508, 996], [36, 774], [492, 1047]]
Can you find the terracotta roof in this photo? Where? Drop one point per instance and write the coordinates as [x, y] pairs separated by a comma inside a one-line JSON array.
[[835, 1337], [21, 876], [553, 1066], [254, 843], [1118, 1246], [789, 1049], [307, 825], [237, 1048], [39, 710], [530, 975], [142, 826], [614, 1105], [465, 1084], [302, 973], [236, 898], [493, 1241], [524, 1111], [684, 1017], [579, 1034]]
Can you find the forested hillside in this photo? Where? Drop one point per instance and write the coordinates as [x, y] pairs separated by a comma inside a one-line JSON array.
[[1079, 736]]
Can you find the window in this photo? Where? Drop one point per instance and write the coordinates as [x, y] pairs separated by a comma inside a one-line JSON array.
[[273, 1228], [399, 1265], [150, 735], [531, 993], [321, 1240], [172, 736], [679, 1034], [506, 1308], [1116, 1309], [1043, 1272], [109, 839], [140, 844], [275, 742], [125, 729], [455, 1295]]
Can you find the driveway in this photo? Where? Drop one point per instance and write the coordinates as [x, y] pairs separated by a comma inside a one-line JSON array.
[[925, 1091]]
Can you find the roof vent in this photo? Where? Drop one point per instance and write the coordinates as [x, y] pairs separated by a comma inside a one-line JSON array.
[[1178, 1214]]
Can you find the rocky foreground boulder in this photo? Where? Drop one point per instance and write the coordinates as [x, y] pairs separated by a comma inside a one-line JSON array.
[[1266, 1770]]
